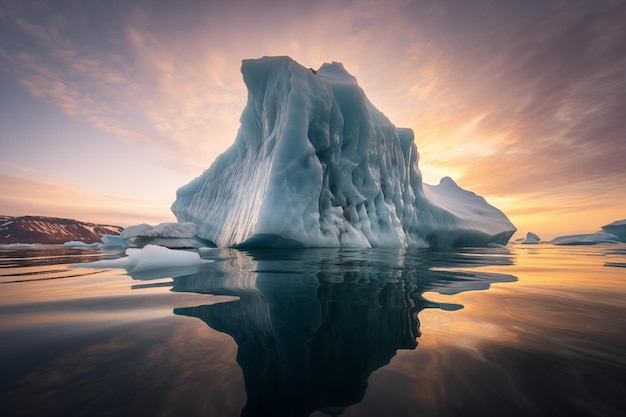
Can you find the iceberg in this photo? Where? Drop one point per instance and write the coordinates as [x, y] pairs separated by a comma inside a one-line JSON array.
[[617, 228], [81, 244], [315, 164], [461, 218], [611, 233], [113, 241], [586, 239], [531, 239], [20, 245]]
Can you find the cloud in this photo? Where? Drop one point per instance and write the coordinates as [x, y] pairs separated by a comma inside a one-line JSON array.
[[522, 101], [168, 78], [25, 169], [548, 92], [21, 196], [130, 83]]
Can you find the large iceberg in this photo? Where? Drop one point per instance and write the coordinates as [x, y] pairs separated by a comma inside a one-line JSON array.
[[315, 164]]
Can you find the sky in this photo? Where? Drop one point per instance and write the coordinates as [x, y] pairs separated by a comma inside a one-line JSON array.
[[107, 107]]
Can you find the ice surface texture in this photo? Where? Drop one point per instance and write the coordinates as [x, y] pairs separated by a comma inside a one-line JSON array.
[[315, 164], [174, 230]]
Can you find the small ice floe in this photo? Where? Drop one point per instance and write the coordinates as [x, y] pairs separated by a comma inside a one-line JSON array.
[[151, 261], [80, 244], [20, 245]]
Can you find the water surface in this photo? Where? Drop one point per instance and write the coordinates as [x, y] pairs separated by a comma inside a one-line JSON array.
[[522, 330]]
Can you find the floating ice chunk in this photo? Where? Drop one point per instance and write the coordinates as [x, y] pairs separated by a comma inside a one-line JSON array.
[[21, 245], [586, 239], [149, 258], [80, 244], [154, 257], [315, 164], [531, 239]]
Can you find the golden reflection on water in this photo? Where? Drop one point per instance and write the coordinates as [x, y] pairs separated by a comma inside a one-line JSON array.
[[559, 290], [40, 284], [554, 326], [552, 331]]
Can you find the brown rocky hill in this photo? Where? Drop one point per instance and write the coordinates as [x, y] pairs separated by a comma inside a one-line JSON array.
[[39, 229]]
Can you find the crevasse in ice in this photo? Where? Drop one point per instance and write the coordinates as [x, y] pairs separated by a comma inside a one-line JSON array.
[[315, 164]]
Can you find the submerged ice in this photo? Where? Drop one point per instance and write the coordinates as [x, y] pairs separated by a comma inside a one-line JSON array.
[[315, 164]]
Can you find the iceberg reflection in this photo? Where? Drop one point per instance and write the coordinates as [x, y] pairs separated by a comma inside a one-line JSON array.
[[312, 325]]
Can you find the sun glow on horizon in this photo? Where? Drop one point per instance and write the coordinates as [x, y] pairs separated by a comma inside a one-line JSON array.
[[131, 109]]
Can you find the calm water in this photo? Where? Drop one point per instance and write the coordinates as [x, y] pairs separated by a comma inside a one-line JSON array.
[[524, 330]]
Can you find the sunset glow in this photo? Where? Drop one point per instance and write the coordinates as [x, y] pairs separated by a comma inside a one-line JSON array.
[[107, 108]]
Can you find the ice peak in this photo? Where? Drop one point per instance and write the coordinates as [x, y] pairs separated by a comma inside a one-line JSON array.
[[448, 182], [336, 72]]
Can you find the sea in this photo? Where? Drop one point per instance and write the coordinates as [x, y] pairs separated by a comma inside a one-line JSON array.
[[532, 330]]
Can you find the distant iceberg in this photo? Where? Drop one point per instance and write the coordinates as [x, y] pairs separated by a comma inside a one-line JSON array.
[[617, 228], [611, 233], [81, 244], [170, 235], [586, 239], [315, 164], [113, 241], [531, 239], [20, 245]]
